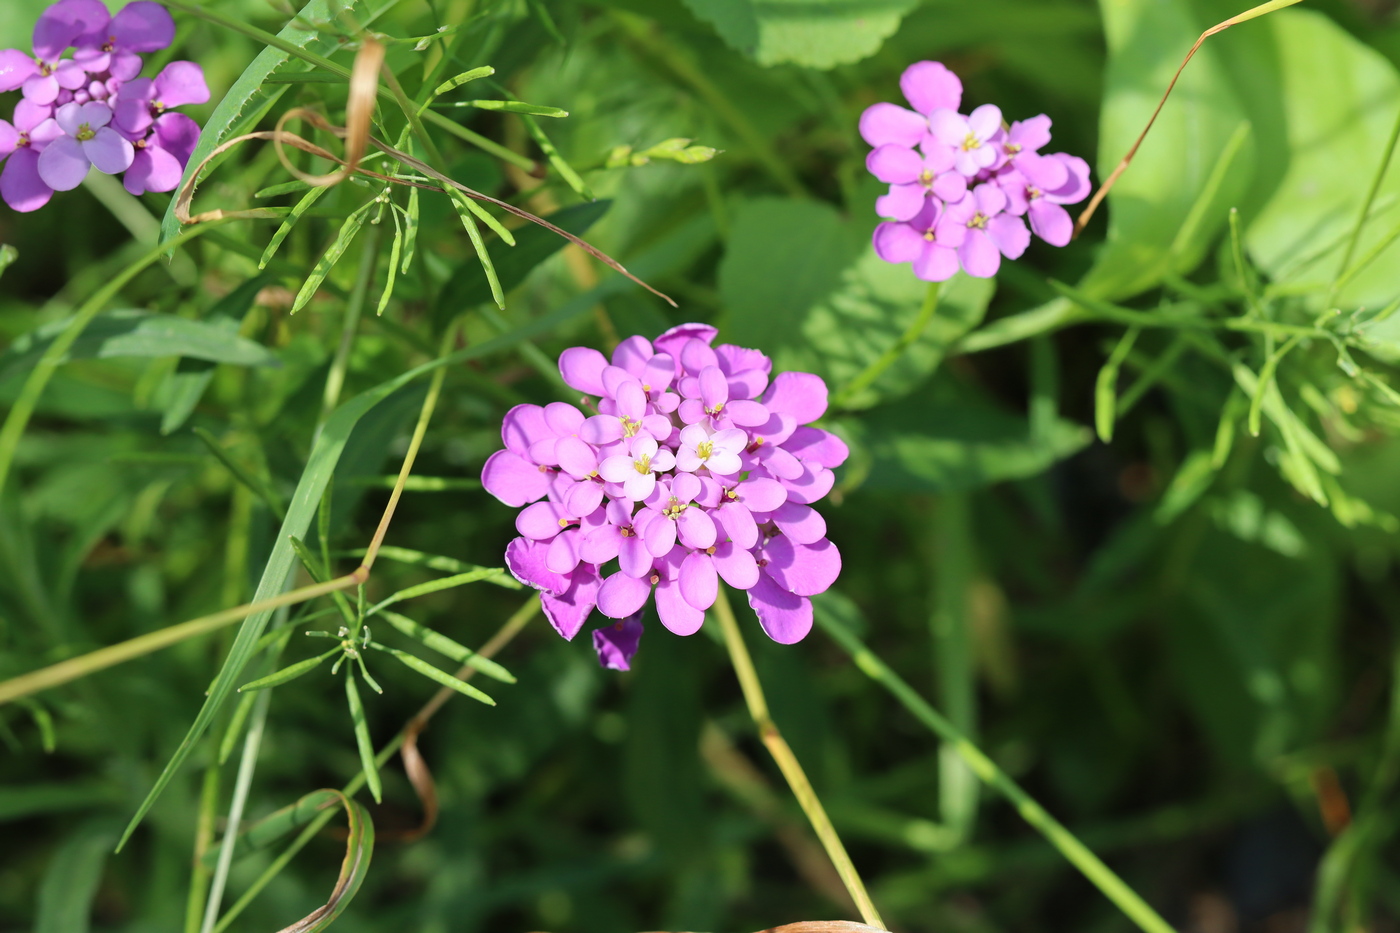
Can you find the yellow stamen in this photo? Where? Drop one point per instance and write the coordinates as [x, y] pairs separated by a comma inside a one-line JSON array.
[[642, 464]]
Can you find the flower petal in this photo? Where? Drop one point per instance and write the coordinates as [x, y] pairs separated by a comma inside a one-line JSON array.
[[152, 169], [896, 242], [929, 86], [621, 595], [1031, 134], [15, 68], [696, 529], [736, 522], [617, 643], [601, 544], [802, 523], [1051, 222], [20, 183], [801, 395], [949, 127], [679, 616], [525, 559], [1010, 235], [143, 26], [979, 255], [985, 121], [109, 151], [786, 618], [818, 446], [63, 165], [511, 478], [884, 123], [894, 164], [562, 556], [181, 83], [736, 565], [698, 580], [903, 202], [804, 569], [936, 263], [567, 611]]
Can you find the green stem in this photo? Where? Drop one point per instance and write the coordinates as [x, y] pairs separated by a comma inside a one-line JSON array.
[[1355, 238], [335, 379], [953, 657], [39, 376], [876, 369], [1079, 855], [788, 763]]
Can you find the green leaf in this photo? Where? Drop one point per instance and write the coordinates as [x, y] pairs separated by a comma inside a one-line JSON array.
[[298, 211], [496, 575], [257, 836], [441, 676], [1337, 98], [469, 287], [290, 672], [1158, 221], [950, 438], [805, 285], [132, 332], [814, 33], [70, 881], [362, 740], [248, 96], [447, 647]]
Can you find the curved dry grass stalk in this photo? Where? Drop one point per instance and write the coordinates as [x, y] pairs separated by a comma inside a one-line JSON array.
[[359, 110]]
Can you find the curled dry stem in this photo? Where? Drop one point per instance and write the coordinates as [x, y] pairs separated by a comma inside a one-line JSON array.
[[1127, 159]]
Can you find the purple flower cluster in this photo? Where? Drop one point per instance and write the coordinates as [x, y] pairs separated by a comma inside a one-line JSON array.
[[694, 466], [91, 110], [960, 186]]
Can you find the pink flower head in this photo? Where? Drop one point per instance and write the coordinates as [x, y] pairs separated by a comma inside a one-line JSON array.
[[43, 76], [696, 468], [87, 140], [970, 137]]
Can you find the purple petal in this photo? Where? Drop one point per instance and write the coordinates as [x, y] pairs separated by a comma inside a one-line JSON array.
[[509, 477], [20, 184], [696, 529], [929, 86], [576, 457], [1010, 235], [63, 164], [29, 116], [109, 151], [1045, 173], [617, 643], [714, 388], [896, 242], [562, 556], [152, 169], [181, 83], [143, 26], [698, 580], [675, 613], [894, 164], [541, 521], [15, 68], [748, 413], [125, 65], [985, 121], [70, 22], [1030, 134], [903, 202], [979, 255], [69, 118], [814, 483], [526, 561], [659, 535], [786, 618], [567, 611], [622, 595], [633, 556], [818, 446], [9, 138], [736, 565], [1076, 187], [1051, 222], [736, 522], [602, 544], [522, 426], [582, 369], [804, 569], [41, 89], [632, 354], [802, 523], [134, 116], [801, 395], [674, 339], [991, 200], [759, 494], [883, 124], [936, 263], [950, 186]]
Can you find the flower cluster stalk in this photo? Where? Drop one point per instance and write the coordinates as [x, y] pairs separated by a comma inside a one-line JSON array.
[[787, 762]]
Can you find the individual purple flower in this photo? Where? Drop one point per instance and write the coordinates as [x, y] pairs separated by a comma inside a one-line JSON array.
[[982, 231], [87, 141], [140, 102], [20, 144], [1021, 145], [684, 478], [112, 46], [617, 643], [1048, 219], [43, 76], [919, 240], [161, 155], [914, 175], [970, 137]]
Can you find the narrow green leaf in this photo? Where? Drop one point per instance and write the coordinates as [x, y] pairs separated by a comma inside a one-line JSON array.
[[236, 722], [410, 230], [482, 256], [330, 257], [8, 254], [442, 677], [432, 561], [1106, 387], [517, 106], [301, 207], [395, 249], [286, 187], [308, 560], [362, 739], [462, 201], [446, 583], [289, 673], [1192, 479], [447, 647]]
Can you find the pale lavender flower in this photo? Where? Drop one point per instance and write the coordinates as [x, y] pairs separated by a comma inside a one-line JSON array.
[[982, 231], [1048, 219], [161, 155], [112, 44], [87, 141], [43, 75], [137, 104], [970, 137], [920, 240], [34, 128]]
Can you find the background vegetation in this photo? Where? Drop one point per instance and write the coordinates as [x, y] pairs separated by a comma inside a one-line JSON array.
[[1125, 515]]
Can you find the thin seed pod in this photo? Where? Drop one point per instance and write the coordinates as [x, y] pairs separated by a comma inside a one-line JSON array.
[[447, 647], [288, 673], [348, 231], [362, 740], [1106, 387]]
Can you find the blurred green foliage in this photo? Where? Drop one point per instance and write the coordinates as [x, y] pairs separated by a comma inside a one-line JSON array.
[[1182, 642]]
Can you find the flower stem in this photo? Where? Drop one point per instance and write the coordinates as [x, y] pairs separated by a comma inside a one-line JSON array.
[[1078, 854], [788, 763], [887, 359], [1344, 273]]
